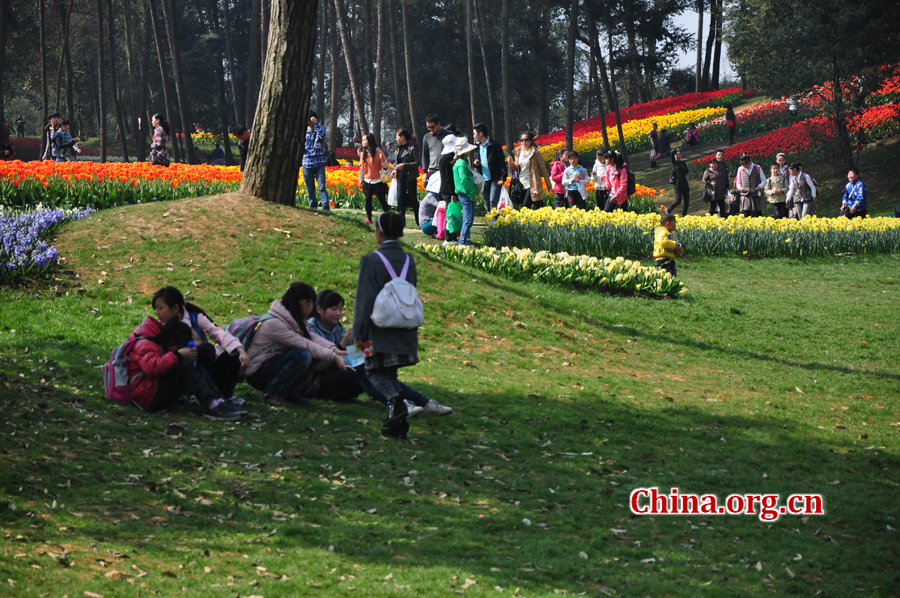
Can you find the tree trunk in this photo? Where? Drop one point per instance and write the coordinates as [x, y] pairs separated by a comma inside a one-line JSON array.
[[4, 36], [609, 83], [704, 83], [378, 98], [101, 80], [570, 72], [130, 80], [717, 56], [348, 57], [369, 89], [187, 126], [266, 16], [143, 128], [505, 76], [470, 60], [70, 75], [489, 82], [276, 146], [252, 64], [634, 75], [161, 55], [44, 103], [117, 100], [406, 57], [334, 108], [320, 61], [543, 86], [231, 70], [597, 59], [220, 75], [698, 76], [395, 63], [92, 78]]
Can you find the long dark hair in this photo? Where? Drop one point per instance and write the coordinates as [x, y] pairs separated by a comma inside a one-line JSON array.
[[297, 292], [163, 122], [410, 138], [174, 332], [325, 300], [172, 297], [372, 148]]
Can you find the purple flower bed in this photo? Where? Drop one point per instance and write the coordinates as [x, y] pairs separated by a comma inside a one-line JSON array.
[[23, 250]]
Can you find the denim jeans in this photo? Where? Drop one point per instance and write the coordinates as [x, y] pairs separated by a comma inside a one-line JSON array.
[[468, 218], [805, 209], [560, 201], [311, 176], [612, 204], [667, 264], [490, 192], [283, 372]]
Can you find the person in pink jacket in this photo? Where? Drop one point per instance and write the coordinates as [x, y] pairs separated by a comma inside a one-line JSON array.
[[616, 182], [162, 369], [285, 355], [218, 352], [557, 169]]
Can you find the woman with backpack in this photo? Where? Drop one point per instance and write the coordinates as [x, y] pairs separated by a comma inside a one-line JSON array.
[[285, 355], [616, 180], [162, 369], [390, 348], [222, 358]]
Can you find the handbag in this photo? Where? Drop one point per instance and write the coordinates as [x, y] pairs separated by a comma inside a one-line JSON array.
[[672, 177], [517, 192], [393, 194], [386, 176]]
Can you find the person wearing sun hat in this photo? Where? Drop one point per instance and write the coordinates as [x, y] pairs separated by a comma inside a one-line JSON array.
[[445, 167], [464, 185]]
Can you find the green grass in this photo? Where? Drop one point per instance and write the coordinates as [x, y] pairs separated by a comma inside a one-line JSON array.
[[771, 376]]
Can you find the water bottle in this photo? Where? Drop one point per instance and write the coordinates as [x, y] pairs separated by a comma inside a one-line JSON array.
[[191, 345]]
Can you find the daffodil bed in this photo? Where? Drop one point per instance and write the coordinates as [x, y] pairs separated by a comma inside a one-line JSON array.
[[623, 233], [581, 271]]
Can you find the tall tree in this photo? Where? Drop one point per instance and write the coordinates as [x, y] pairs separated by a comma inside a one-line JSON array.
[[143, 104], [171, 18], [395, 63], [45, 107], [163, 74], [470, 59], [489, 80], [368, 76], [407, 57], [717, 53], [597, 60], [378, 98], [320, 63], [266, 6], [570, 72], [334, 94], [698, 76], [710, 40], [543, 70], [232, 74], [220, 76], [4, 32], [609, 83], [252, 63], [101, 79], [355, 90], [506, 76], [117, 100], [276, 148]]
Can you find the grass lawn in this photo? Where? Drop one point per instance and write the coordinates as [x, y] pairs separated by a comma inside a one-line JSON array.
[[771, 376]]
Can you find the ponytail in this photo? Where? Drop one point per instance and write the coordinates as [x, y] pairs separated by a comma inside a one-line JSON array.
[[163, 123]]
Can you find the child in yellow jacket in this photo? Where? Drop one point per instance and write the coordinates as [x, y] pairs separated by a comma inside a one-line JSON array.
[[665, 246]]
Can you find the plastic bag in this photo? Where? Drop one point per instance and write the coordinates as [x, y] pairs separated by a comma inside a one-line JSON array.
[[440, 220], [479, 179], [505, 201], [454, 217], [393, 194], [433, 184]]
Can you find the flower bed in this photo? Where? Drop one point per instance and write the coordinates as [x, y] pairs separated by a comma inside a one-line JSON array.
[[582, 271], [765, 116], [22, 248], [625, 233]]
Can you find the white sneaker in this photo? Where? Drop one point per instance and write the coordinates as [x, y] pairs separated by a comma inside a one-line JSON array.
[[446, 243], [435, 408], [413, 410]]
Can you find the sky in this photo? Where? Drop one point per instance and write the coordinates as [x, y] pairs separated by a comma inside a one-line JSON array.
[[688, 20]]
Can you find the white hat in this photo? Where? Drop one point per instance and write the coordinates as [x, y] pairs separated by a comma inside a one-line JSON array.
[[463, 146], [449, 141]]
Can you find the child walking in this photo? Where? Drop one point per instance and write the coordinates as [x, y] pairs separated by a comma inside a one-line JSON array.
[[574, 182], [393, 348], [776, 191], [665, 246]]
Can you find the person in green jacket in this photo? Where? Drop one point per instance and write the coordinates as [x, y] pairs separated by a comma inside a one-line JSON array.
[[466, 190], [679, 178]]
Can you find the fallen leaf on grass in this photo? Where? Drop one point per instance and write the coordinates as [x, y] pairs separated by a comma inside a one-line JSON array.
[[468, 583], [789, 572], [758, 566], [797, 388], [618, 532], [115, 575], [92, 594]]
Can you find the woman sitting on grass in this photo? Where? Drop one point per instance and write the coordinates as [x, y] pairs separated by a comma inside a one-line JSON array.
[[284, 355], [163, 369]]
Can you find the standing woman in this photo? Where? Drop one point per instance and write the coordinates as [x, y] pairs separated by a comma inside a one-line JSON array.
[[527, 160], [391, 348], [372, 160], [682, 187], [159, 143], [406, 172], [730, 123]]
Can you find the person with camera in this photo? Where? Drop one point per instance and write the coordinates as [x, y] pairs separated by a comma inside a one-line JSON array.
[[314, 162]]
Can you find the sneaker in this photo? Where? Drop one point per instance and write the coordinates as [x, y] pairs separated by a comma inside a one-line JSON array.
[[446, 243], [367, 221], [413, 410], [270, 398], [435, 408], [395, 413], [236, 407], [221, 413]]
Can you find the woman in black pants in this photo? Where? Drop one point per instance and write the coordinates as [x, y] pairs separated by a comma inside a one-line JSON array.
[[682, 188], [372, 160], [407, 174]]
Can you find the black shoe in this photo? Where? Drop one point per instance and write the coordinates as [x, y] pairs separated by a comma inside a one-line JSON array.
[[221, 414], [235, 408]]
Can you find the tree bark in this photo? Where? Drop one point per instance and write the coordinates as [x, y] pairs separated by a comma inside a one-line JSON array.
[[369, 89], [101, 80], [4, 36], [378, 98], [164, 78], [395, 63], [609, 83], [130, 84], [348, 54], [220, 75], [698, 76], [505, 76], [717, 56], [252, 64], [704, 83], [266, 16], [470, 59], [44, 100], [144, 125], [334, 108], [543, 86], [634, 75], [570, 72], [406, 57], [489, 82], [232, 74], [320, 61], [276, 146], [117, 100], [184, 108], [597, 60]]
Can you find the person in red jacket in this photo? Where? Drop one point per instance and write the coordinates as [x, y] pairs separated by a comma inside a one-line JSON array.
[[162, 368]]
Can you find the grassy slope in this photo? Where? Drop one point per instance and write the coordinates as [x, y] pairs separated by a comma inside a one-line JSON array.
[[772, 376]]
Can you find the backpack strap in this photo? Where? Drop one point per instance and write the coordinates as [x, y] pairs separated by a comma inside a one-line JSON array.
[[194, 316], [390, 268]]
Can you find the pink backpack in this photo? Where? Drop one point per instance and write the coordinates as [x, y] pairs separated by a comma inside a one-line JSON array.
[[116, 381]]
